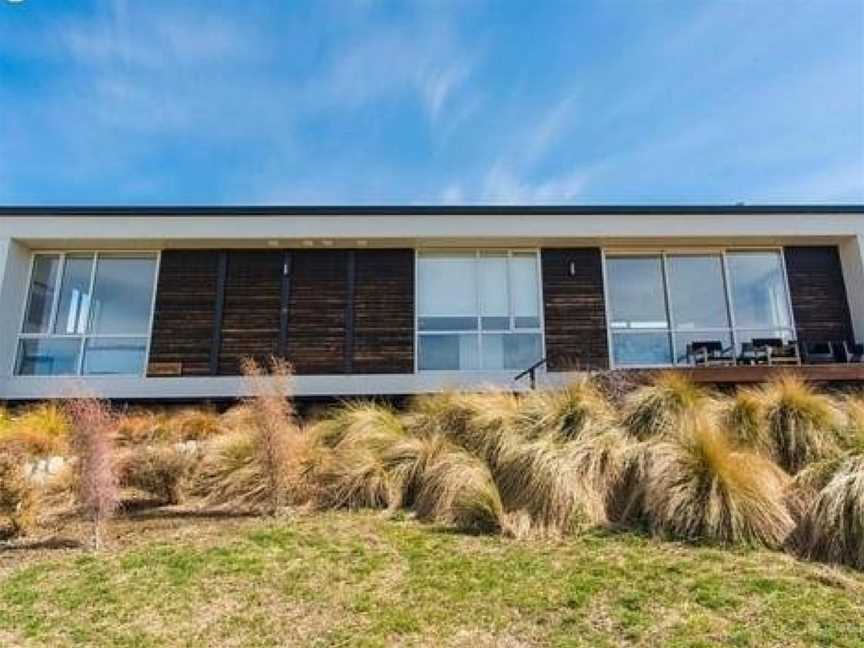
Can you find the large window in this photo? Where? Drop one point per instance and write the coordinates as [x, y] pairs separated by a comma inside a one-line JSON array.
[[661, 302], [87, 313], [478, 310]]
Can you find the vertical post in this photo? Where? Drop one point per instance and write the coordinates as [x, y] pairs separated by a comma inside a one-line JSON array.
[[14, 268], [216, 338], [350, 276]]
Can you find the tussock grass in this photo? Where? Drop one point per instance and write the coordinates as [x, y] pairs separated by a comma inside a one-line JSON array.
[[575, 411], [801, 424], [41, 430], [665, 406], [142, 427], [365, 423], [833, 527], [19, 499], [195, 424], [161, 471], [852, 439], [458, 489], [700, 487]]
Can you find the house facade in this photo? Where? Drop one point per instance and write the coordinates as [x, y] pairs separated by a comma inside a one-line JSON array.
[[162, 303]]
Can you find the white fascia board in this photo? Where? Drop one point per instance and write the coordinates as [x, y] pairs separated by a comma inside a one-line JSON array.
[[170, 231], [230, 387]]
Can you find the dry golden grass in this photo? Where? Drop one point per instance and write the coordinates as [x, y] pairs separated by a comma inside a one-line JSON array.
[[802, 425], [575, 411], [142, 426], [40, 430], [195, 424], [700, 487], [19, 499], [161, 471], [665, 406], [852, 439], [833, 527], [457, 489]]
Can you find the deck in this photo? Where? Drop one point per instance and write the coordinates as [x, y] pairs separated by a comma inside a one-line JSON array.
[[834, 373]]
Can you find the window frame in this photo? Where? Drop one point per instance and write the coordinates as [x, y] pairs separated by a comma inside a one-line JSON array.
[[477, 253], [733, 330], [82, 337]]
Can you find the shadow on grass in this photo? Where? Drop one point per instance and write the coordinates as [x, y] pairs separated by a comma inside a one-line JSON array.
[[53, 542]]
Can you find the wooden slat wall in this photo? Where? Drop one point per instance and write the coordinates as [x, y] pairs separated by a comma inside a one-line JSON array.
[[384, 312], [575, 314], [818, 292], [184, 311], [250, 320], [317, 310]]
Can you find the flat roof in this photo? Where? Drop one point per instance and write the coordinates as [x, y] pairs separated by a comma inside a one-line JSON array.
[[417, 210]]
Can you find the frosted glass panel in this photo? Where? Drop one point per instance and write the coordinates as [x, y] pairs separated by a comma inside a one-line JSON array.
[[493, 285], [523, 275], [123, 294], [697, 292], [41, 299], [447, 285], [758, 290], [441, 352], [74, 306]]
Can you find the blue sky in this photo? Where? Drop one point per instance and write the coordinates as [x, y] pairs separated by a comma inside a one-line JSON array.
[[437, 102]]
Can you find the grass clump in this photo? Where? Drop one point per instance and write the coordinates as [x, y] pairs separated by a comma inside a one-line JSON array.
[[801, 424], [19, 500], [577, 410], [700, 487], [41, 431], [665, 406], [457, 488], [194, 424], [833, 527], [161, 471]]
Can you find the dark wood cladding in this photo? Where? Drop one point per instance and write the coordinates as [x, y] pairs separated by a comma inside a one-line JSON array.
[[317, 309], [818, 292], [574, 306], [326, 311], [251, 314], [185, 310], [384, 312]]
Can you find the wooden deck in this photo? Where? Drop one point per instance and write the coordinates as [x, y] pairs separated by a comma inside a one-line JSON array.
[[835, 373]]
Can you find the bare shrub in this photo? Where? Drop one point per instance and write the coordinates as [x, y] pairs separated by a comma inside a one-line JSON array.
[[261, 464], [664, 406], [159, 470], [98, 492], [833, 527], [19, 500], [700, 487]]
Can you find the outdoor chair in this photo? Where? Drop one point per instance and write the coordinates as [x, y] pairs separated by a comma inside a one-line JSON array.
[[854, 352], [819, 352], [778, 352], [710, 353], [752, 355]]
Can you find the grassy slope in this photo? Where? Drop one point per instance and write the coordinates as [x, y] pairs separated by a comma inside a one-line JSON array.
[[357, 579]]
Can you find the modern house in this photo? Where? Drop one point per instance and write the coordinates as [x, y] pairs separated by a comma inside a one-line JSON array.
[[166, 302]]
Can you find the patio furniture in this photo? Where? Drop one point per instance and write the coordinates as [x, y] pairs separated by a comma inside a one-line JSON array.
[[778, 352], [710, 353], [854, 352], [751, 355], [819, 352]]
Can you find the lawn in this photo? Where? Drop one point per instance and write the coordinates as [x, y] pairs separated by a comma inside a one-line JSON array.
[[337, 579]]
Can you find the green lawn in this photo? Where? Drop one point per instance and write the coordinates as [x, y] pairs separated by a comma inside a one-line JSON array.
[[359, 579]]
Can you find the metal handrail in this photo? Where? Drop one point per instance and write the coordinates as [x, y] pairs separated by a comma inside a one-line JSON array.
[[531, 372]]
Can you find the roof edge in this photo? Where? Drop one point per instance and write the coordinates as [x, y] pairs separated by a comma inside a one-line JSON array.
[[417, 210]]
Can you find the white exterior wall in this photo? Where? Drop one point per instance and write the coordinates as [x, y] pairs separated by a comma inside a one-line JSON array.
[[852, 258], [20, 235]]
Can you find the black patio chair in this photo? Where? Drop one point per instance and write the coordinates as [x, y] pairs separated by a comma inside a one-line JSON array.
[[778, 352], [710, 353], [819, 352], [752, 355], [853, 351]]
